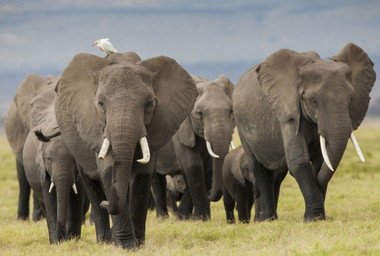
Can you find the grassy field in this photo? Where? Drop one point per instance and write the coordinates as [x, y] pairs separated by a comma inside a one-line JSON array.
[[352, 228]]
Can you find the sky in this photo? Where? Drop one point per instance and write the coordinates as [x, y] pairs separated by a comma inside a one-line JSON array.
[[206, 37]]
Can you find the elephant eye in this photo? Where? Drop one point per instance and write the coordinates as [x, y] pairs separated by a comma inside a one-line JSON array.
[[100, 104], [149, 105], [198, 114]]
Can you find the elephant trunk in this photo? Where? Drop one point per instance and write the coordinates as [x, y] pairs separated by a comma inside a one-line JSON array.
[[63, 185], [123, 139], [220, 138], [336, 131]]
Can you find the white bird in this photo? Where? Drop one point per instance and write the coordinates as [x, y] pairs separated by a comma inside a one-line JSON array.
[[105, 46]]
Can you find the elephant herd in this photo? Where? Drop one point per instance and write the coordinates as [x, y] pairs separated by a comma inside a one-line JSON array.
[[118, 130]]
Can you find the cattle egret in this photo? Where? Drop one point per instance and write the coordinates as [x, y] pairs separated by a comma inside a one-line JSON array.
[[105, 46]]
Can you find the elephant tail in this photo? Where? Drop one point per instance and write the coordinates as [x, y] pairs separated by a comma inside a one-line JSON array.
[[46, 138]]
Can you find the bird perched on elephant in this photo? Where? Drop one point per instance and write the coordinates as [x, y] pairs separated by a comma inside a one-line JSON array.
[[200, 146], [18, 123], [52, 172], [114, 113], [238, 182], [296, 111]]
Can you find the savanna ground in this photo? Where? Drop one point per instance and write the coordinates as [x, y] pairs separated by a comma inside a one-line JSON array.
[[352, 228]]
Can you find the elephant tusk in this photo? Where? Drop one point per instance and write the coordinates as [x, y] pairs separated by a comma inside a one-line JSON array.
[[145, 151], [75, 189], [356, 145], [232, 145], [209, 149], [51, 187], [103, 151], [324, 152]]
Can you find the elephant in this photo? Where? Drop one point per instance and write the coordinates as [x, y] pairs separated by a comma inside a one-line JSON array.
[[238, 185], [198, 149], [107, 110], [175, 187], [51, 171], [296, 111], [18, 123]]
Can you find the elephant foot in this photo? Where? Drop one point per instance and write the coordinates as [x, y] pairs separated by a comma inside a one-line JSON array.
[[38, 215], [314, 217], [162, 216], [183, 216], [262, 218], [132, 245], [202, 217], [22, 217], [230, 221]]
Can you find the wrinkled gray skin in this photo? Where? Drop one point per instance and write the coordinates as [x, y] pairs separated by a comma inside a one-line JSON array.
[[18, 123], [47, 162], [283, 105], [238, 181], [175, 187], [123, 99], [211, 120]]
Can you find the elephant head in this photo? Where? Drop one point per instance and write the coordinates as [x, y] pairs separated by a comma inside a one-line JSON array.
[[241, 168], [332, 95], [109, 105], [212, 119]]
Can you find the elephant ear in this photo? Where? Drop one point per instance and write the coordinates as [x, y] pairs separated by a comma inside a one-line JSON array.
[[42, 106], [363, 77], [75, 108], [175, 92], [29, 88], [229, 86], [279, 81], [236, 170], [185, 133]]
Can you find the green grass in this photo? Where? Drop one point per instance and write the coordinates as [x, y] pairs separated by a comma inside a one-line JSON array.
[[352, 228]]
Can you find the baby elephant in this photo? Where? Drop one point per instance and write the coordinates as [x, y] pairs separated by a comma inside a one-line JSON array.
[[175, 187], [52, 173], [239, 183]]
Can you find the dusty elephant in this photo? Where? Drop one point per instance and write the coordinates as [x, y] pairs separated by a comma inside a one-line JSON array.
[[198, 150], [52, 173], [18, 123], [121, 109], [296, 111]]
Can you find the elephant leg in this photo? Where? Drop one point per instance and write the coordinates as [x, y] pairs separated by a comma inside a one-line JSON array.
[[264, 182], [24, 192], [76, 211], [37, 211], [278, 178], [298, 161], [50, 202], [95, 195], [192, 166], [159, 195], [123, 232], [86, 207], [229, 205], [185, 208], [257, 203], [141, 180], [242, 206]]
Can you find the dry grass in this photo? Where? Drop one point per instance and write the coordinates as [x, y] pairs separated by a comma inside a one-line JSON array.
[[353, 227]]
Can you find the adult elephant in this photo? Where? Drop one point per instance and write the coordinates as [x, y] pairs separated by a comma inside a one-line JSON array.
[[52, 173], [107, 107], [295, 111], [18, 123], [200, 146]]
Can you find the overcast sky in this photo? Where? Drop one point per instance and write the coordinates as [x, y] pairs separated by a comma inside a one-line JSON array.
[[41, 33]]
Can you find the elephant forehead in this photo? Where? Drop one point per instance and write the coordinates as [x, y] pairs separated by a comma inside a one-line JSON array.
[[326, 69]]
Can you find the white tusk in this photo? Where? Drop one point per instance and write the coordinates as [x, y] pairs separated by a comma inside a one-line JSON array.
[[103, 151], [232, 145], [356, 145], [324, 152], [209, 149], [75, 189], [51, 187], [145, 151]]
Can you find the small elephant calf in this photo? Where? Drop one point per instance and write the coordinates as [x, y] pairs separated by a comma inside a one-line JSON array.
[[175, 187], [239, 183]]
